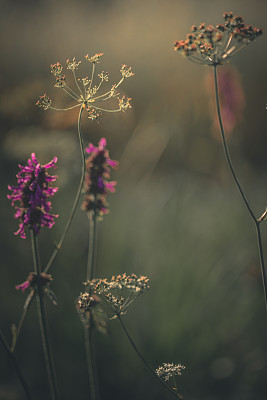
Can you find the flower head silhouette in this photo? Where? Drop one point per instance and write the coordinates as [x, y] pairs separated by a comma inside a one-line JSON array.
[[86, 94]]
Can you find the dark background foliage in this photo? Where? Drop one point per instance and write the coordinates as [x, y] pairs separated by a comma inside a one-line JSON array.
[[176, 216]]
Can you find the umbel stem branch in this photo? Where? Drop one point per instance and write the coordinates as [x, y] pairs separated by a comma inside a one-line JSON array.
[[43, 322], [176, 394], [75, 203], [230, 164]]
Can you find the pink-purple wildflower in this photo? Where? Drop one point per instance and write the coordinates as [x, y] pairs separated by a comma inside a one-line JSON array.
[[32, 280], [32, 194], [97, 184]]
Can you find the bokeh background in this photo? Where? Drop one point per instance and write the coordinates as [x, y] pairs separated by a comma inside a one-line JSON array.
[[176, 215]]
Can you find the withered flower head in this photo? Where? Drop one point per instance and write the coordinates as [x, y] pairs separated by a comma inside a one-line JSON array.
[[120, 291], [215, 45], [87, 93]]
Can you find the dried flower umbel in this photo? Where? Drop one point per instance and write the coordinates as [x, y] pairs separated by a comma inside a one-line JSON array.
[[88, 94], [120, 291], [168, 370], [215, 45], [32, 194], [97, 175]]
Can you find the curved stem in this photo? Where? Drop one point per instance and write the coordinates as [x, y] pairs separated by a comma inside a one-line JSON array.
[[65, 109], [43, 322], [228, 158], [145, 362], [16, 366], [78, 86], [226, 151], [263, 273], [75, 203]]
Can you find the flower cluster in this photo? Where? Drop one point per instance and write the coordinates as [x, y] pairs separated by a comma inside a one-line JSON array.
[[97, 184], [214, 45], [120, 291], [91, 312], [168, 370], [32, 194], [34, 280], [86, 94]]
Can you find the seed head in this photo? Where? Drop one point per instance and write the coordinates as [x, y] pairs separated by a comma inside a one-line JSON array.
[[215, 45]]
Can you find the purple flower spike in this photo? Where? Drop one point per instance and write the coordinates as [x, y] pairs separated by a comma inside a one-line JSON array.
[[97, 184], [32, 194]]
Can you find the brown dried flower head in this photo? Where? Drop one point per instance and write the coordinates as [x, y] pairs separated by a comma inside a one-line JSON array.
[[120, 291], [86, 93], [215, 45]]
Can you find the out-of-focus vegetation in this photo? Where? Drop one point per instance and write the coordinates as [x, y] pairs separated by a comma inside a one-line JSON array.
[[176, 216]]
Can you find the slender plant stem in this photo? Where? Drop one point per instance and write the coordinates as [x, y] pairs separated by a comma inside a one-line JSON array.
[[42, 321], [263, 273], [75, 203], [230, 164], [16, 366], [88, 331], [89, 349], [23, 316], [145, 362], [91, 263], [225, 147]]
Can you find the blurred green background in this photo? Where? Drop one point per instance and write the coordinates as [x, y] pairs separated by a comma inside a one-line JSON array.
[[176, 215]]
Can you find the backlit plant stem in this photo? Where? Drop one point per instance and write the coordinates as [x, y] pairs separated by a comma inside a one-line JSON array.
[[229, 162], [91, 264], [88, 331], [16, 366], [177, 395], [75, 203], [43, 322]]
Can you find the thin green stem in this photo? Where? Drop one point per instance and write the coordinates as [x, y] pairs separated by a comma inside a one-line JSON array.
[[75, 203], [144, 360], [16, 366], [43, 322], [88, 331], [88, 340], [23, 315], [263, 273], [73, 97], [77, 84], [65, 109], [226, 151], [91, 264], [229, 161]]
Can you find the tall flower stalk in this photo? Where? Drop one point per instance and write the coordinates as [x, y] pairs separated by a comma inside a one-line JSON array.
[[96, 188], [213, 46], [88, 96], [43, 321], [33, 208]]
